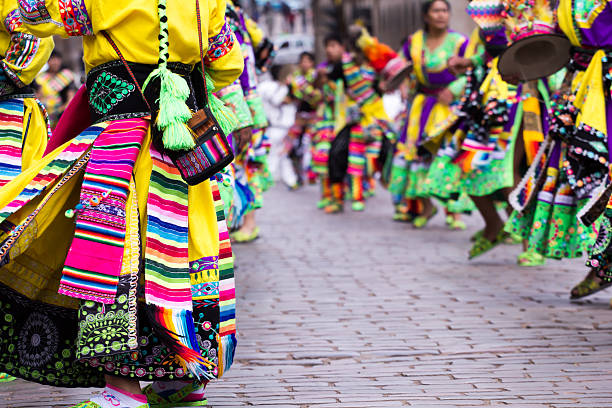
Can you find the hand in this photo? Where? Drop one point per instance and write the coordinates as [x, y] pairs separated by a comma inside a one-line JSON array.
[[242, 138], [458, 65], [446, 97]]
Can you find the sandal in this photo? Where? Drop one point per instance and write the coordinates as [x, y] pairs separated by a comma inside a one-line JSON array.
[[482, 245], [422, 220], [358, 206], [240, 237], [512, 239], [457, 225], [6, 378], [477, 235], [403, 217], [90, 404], [334, 208], [174, 400], [322, 203], [589, 286], [530, 258]]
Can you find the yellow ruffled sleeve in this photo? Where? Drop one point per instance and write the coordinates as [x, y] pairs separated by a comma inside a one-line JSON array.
[[224, 61], [25, 54]]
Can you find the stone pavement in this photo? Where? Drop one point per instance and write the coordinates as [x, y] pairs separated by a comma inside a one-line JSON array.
[[354, 310]]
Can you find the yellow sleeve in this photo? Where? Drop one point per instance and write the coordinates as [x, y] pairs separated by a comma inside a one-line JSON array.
[[224, 61], [26, 54], [256, 33], [45, 18]]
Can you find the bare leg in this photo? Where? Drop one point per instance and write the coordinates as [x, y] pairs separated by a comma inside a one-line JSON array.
[[493, 222], [249, 224], [125, 384]]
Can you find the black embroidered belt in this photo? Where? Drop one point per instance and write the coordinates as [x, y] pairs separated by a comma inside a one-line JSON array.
[[9, 90], [113, 94]]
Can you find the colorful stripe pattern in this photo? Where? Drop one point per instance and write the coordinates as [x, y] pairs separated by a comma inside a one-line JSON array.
[[360, 81], [357, 149], [167, 279], [54, 169], [35, 12], [11, 139], [93, 265], [227, 292], [204, 155]]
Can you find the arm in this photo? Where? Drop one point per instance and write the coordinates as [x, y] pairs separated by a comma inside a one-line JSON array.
[[26, 54], [45, 18], [224, 61]]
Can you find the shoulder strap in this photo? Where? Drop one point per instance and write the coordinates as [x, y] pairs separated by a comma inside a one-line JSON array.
[[199, 19]]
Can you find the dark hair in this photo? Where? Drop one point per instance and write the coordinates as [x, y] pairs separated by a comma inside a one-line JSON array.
[[333, 37], [308, 55], [56, 54], [426, 6]]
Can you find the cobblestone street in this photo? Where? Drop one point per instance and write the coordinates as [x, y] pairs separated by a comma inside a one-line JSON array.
[[354, 310]]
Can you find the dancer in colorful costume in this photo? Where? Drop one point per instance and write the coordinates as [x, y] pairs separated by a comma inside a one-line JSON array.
[[585, 128], [89, 313], [302, 90], [547, 200], [330, 119], [250, 166], [487, 127], [412, 183]]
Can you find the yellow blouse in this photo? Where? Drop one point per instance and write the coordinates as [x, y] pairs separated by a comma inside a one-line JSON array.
[[23, 55], [134, 26]]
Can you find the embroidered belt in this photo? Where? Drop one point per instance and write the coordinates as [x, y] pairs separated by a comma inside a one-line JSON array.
[[113, 94], [9, 90]]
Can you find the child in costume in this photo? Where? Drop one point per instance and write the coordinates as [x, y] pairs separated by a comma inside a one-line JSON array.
[[133, 268], [302, 90]]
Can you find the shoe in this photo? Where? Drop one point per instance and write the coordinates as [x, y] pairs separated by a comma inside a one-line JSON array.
[[334, 208], [358, 206], [477, 235], [403, 217], [6, 378], [421, 221], [89, 404], [457, 225], [589, 286], [530, 258], [449, 220], [324, 202], [512, 239], [240, 237], [173, 400], [483, 245]]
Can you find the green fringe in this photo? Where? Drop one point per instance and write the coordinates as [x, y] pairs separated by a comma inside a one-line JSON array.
[[173, 111], [224, 115]]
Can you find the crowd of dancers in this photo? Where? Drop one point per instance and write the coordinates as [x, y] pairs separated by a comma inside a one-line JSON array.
[[524, 145]]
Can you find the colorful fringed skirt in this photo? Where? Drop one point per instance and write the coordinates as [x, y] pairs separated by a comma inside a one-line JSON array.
[[112, 264], [549, 222]]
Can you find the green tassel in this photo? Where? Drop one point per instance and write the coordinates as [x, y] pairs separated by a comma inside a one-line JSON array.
[[224, 115], [173, 110]]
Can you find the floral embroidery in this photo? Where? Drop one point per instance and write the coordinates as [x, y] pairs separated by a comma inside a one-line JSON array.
[[75, 17], [108, 91], [220, 44], [12, 21], [35, 12]]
